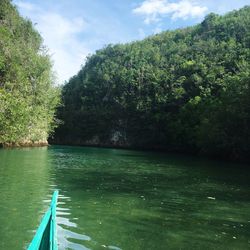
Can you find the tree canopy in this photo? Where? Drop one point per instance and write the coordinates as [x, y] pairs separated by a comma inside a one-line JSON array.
[[185, 90], [27, 96]]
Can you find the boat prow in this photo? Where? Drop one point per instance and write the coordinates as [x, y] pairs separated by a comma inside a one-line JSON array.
[[46, 237]]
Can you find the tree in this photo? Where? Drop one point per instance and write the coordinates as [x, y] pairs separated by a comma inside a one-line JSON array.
[[27, 96], [184, 90]]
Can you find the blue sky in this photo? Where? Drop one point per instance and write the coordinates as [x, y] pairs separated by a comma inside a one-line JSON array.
[[73, 29]]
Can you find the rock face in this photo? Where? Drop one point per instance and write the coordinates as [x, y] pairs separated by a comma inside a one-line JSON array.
[[26, 143], [36, 137], [117, 139]]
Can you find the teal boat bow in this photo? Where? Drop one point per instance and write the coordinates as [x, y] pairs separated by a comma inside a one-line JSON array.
[[46, 237]]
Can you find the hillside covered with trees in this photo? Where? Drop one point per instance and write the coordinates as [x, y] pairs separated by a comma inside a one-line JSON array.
[[27, 96], [185, 90]]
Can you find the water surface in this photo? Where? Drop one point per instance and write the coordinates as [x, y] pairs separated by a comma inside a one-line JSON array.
[[122, 199]]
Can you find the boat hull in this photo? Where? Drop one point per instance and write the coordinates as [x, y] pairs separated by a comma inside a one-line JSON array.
[[46, 237]]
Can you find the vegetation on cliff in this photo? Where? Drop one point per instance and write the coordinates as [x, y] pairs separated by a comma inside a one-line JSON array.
[[27, 96], [185, 90]]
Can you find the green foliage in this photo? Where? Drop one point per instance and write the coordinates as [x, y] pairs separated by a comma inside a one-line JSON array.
[[27, 97], [185, 90]]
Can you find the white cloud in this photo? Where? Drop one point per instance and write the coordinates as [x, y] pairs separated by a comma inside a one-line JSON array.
[[26, 6], [154, 10], [60, 35], [157, 30], [141, 33]]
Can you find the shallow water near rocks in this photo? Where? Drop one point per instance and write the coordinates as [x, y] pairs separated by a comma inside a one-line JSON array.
[[123, 199]]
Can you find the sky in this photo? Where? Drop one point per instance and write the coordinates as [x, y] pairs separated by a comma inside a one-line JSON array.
[[74, 29]]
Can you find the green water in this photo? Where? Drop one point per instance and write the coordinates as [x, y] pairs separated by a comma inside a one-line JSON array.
[[121, 199]]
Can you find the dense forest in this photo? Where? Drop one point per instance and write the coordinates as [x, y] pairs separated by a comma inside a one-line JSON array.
[[185, 90], [27, 96]]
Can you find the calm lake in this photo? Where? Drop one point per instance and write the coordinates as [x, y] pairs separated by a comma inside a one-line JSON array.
[[122, 199]]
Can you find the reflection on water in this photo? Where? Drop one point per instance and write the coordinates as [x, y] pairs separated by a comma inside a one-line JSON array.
[[24, 188], [121, 199]]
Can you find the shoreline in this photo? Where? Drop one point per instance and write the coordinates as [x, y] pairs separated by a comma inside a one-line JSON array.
[[46, 143], [155, 149], [25, 144]]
